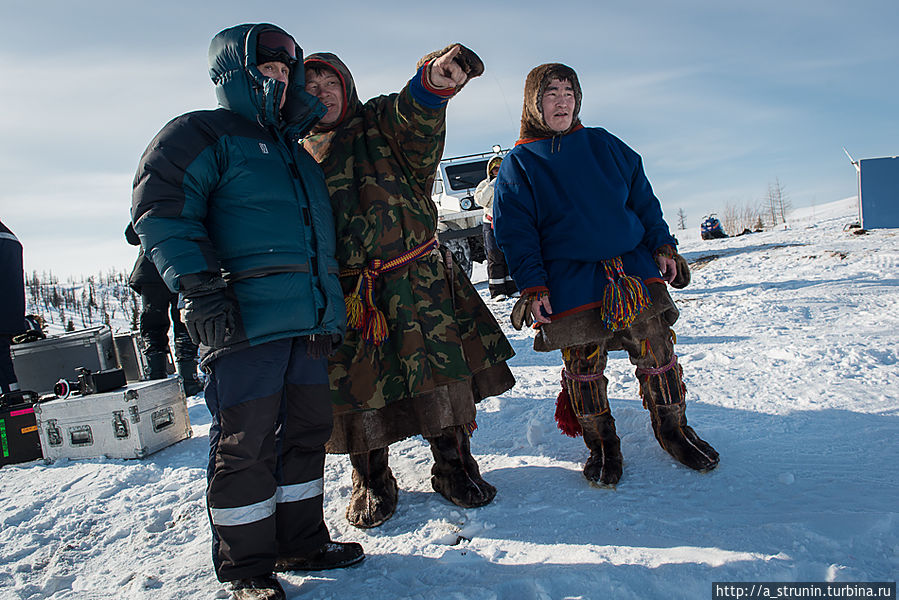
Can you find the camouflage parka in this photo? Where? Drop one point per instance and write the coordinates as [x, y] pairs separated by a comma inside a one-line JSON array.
[[379, 160]]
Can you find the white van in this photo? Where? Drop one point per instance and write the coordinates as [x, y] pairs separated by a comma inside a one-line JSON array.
[[460, 219]]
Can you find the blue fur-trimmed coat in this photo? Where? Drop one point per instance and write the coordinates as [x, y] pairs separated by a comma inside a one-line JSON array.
[[565, 204]]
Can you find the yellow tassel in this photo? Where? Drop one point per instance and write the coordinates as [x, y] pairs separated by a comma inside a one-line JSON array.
[[622, 301], [673, 336], [375, 331], [612, 306], [355, 310]]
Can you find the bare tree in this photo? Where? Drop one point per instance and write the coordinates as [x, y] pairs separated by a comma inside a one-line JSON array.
[[730, 219], [681, 219], [777, 204]]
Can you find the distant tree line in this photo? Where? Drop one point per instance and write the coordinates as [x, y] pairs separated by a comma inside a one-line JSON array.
[[92, 301]]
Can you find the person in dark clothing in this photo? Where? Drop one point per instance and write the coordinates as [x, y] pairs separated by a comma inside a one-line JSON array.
[[237, 220], [12, 309], [499, 280], [159, 310]]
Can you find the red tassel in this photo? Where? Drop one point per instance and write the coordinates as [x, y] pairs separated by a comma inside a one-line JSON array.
[[565, 417]]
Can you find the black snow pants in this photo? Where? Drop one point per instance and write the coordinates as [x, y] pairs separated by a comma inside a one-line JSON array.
[[271, 416], [499, 281], [8, 381], [160, 309]]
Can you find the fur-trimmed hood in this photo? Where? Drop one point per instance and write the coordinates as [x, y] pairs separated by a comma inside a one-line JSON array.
[[533, 125], [351, 103], [494, 161]]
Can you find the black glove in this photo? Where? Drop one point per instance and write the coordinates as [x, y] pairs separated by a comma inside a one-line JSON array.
[[209, 317]]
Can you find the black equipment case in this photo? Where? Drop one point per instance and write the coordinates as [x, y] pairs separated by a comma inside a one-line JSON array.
[[19, 438]]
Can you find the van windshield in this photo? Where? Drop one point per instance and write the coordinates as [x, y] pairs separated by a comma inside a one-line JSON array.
[[466, 175]]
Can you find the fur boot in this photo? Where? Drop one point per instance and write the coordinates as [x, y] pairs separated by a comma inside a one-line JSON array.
[[375, 490], [603, 468], [663, 394], [455, 474], [669, 423]]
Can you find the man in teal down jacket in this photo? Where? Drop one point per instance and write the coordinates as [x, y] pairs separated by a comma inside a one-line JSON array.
[[238, 221]]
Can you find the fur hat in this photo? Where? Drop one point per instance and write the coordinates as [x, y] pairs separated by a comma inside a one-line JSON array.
[[533, 125]]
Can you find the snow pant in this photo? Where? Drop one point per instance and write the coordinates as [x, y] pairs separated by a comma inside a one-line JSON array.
[[271, 416], [499, 281], [8, 380], [650, 346], [160, 309]]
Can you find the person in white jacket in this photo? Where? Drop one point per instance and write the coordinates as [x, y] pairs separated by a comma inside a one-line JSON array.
[[499, 281]]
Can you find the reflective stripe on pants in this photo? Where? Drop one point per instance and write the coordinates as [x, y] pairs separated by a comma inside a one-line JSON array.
[[271, 416]]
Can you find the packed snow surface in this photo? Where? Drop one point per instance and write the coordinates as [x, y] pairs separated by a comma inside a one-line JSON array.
[[789, 342]]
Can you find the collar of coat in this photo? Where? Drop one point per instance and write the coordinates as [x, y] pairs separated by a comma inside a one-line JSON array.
[[546, 137]]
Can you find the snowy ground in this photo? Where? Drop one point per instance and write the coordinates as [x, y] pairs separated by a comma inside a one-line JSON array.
[[790, 346]]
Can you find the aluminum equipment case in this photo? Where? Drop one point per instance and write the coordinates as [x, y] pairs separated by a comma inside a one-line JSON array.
[[19, 441], [39, 365], [132, 422]]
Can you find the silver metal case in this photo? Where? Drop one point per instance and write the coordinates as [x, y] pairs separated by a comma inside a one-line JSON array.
[[132, 422]]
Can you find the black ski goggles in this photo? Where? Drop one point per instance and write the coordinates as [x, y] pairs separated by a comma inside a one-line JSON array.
[[277, 44]]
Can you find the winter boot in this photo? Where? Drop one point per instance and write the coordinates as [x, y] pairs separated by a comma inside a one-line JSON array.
[[157, 365], [333, 555], [669, 423], [257, 588], [374, 495], [663, 394], [603, 468], [455, 474], [187, 369]]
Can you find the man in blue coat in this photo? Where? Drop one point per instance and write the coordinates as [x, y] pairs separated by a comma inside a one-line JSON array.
[[238, 221], [584, 237]]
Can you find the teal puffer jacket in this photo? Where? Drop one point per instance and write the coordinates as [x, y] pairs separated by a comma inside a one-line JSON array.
[[227, 194]]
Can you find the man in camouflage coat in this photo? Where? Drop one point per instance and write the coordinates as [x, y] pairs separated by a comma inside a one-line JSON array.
[[421, 348]]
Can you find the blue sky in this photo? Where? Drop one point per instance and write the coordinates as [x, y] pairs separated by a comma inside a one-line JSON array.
[[719, 99]]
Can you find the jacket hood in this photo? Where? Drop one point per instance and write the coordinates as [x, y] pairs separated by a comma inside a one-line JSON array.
[[351, 103], [533, 125], [241, 88], [493, 162]]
